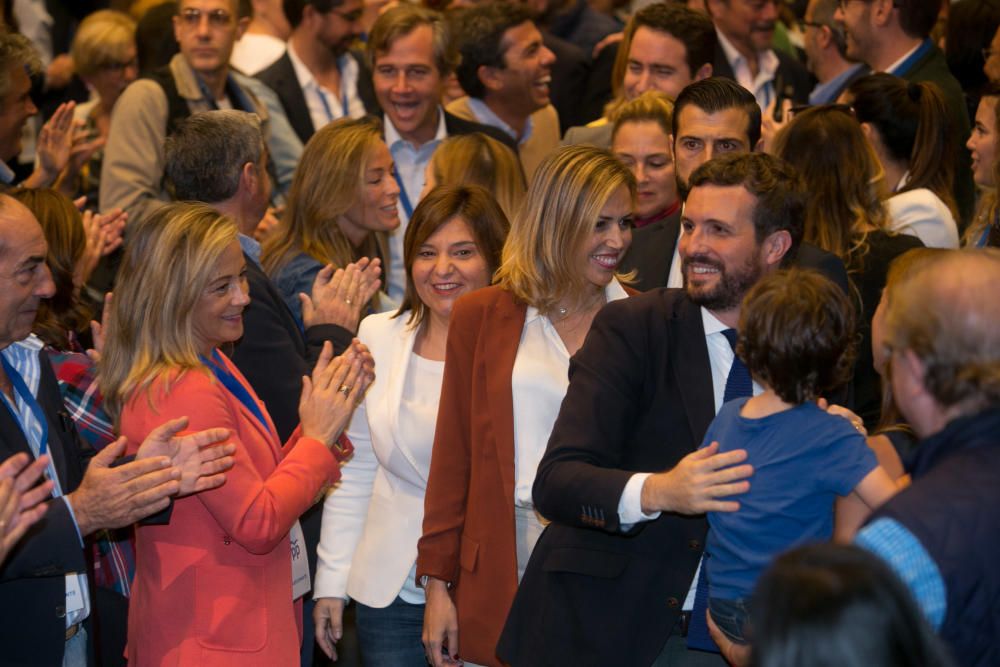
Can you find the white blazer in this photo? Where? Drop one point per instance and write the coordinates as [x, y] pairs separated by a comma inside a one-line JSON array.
[[921, 213], [373, 518]]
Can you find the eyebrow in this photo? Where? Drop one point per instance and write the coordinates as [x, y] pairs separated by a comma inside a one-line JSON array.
[[30, 261]]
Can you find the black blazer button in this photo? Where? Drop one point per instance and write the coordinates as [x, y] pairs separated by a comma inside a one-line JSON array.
[[694, 545], [60, 611], [673, 603]]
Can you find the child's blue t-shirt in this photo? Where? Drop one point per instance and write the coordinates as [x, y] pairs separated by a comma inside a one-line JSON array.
[[802, 458]]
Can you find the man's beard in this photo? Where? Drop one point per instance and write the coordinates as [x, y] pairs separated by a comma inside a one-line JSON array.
[[730, 288]]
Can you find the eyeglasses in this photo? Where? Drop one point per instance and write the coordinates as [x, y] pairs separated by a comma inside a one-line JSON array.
[[119, 65], [217, 18], [352, 16], [843, 3], [814, 24]]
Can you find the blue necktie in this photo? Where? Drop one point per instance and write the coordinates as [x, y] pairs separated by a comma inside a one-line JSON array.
[[738, 384]]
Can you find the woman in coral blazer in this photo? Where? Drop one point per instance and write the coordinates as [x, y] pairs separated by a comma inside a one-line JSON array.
[[214, 586], [505, 374]]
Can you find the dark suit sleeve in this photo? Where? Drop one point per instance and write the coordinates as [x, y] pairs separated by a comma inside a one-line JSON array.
[[318, 334], [51, 547], [579, 476]]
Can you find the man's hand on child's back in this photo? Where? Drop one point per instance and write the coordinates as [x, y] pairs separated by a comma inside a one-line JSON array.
[[696, 484], [841, 411]]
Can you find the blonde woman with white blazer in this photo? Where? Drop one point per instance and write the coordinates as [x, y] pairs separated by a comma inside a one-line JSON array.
[[373, 519]]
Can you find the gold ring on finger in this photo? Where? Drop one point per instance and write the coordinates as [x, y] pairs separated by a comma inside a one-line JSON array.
[[344, 389]]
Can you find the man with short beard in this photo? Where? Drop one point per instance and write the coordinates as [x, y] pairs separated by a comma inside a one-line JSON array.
[[612, 579], [712, 117], [319, 79]]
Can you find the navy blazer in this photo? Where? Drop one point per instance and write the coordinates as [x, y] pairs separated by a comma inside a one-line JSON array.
[[640, 398], [273, 355], [33, 578]]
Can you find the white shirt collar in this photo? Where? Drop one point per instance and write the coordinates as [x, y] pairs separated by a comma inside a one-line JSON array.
[[392, 136], [485, 115], [711, 323], [767, 60], [891, 69]]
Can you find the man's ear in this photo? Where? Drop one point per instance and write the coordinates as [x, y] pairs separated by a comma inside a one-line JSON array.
[[490, 77], [881, 11], [825, 37], [249, 178], [703, 72], [241, 27], [775, 247]]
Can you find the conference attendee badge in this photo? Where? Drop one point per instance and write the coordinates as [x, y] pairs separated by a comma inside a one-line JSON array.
[[74, 595], [300, 564]]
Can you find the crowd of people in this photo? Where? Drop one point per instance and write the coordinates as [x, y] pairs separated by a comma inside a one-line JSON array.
[[555, 332]]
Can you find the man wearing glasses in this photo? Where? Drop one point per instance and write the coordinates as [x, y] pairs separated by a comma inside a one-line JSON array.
[[319, 79], [894, 36], [196, 79], [826, 53]]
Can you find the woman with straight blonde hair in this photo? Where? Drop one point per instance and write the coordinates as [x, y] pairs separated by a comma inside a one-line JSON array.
[[219, 584], [341, 205], [476, 159], [846, 215], [505, 375]]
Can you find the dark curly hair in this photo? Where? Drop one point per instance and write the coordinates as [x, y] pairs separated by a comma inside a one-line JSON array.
[[797, 334]]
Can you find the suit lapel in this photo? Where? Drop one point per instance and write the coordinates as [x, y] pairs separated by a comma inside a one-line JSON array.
[[498, 350], [692, 369], [402, 352], [294, 101], [267, 433]]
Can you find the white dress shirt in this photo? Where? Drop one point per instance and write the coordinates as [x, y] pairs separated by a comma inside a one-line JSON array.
[[539, 382], [327, 105], [410, 163], [762, 85]]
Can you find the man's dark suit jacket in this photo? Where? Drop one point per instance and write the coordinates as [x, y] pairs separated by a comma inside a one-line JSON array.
[[273, 355], [792, 77], [453, 125], [640, 398], [569, 80], [934, 68], [652, 252], [33, 578], [280, 77]]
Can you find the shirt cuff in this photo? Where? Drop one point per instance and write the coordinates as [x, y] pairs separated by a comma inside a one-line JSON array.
[[630, 504], [72, 516]]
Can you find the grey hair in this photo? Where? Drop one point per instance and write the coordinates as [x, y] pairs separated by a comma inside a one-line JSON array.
[[16, 51], [206, 153]]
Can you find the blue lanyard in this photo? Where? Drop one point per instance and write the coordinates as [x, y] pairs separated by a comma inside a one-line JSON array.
[[235, 387], [905, 66], [404, 198], [326, 105], [17, 382]]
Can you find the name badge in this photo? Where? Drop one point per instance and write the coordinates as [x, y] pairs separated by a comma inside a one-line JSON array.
[[74, 596], [300, 564]]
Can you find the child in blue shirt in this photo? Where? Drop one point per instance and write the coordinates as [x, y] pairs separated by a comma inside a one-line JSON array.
[[796, 337]]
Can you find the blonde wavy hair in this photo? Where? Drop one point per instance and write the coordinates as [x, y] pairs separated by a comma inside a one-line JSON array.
[[476, 159], [565, 198], [327, 183], [168, 263], [652, 107]]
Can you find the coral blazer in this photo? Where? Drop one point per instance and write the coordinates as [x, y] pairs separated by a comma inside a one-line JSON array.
[[214, 586]]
